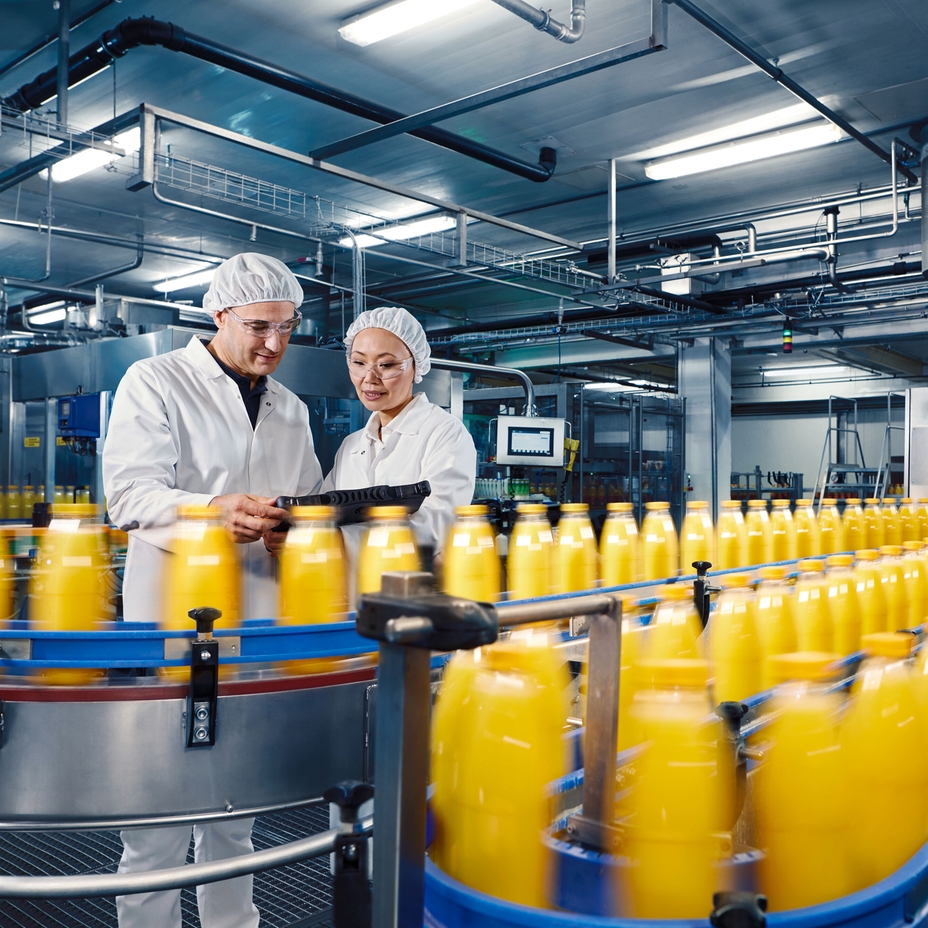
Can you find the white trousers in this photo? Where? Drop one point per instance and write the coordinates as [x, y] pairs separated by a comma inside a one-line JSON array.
[[222, 905]]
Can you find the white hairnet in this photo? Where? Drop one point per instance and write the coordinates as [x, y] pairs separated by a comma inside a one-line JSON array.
[[251, 278], [403, 325]]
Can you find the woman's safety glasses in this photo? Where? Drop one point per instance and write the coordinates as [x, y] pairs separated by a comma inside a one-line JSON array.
[[382, 370]]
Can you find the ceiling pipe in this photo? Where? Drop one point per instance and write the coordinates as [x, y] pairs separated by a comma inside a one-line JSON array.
[[64, 54], [131, 33], [831, 230], [920, 134], [543, 22]]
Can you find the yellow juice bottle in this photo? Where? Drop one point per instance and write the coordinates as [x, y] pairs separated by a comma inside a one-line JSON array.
[[871, 594], [814, 630], [82, 495], [493, 768], [619, 551], [840, 593], [923, 517], [471, 565], [885, 735], [855, 526], [677, 803], [697, 537], [575, 556], [313, 577], [69, 496], [873, 520], [732, 536], [893, 577], [14, 503], [67, 586], [773, 613], [7, 583], [659, 549], [892, 523], [528, 566], [808, 536], [59, 495], [760, 532], [915, 574], [909, 521], [29, 501], [802, 804], [831, 529], [634, 647], [388, 545], [735, 658], [675, 630], [783, 531], [40, 493]]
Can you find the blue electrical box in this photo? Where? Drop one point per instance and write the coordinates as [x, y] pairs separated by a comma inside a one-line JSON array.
[[79, 416]]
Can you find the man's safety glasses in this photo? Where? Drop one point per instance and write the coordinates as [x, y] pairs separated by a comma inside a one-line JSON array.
[[261, 328]]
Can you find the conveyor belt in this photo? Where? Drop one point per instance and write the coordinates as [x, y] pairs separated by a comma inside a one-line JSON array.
[[298, 896]]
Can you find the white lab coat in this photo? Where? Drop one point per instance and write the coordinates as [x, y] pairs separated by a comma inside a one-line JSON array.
[[179, 434]]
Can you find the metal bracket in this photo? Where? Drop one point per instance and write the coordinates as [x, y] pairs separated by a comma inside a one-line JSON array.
[[176, 649], [203, 697], [16, 649], [2, 724], [594, 834]]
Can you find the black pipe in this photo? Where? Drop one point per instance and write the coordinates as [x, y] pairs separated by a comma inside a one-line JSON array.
[[131, 33]]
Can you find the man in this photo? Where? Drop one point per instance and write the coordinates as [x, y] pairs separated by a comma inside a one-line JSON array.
[[206, 424]]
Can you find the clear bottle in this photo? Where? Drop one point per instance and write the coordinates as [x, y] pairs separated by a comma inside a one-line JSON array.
[[619, 549], [831, 529], [808, 536], [40, 493], [29, 501], [871, 594], [82, 495], [576, 559], [732, 536], [915, 574], [892, 574], [773, 609], [388, 545], [659, 549], [840, 591], [735, 657], [67, 587], [675, 630], [14, 502], [783, 530], [909, 521], [759, 532], [855, 525], [471, 565], [802, 810], [814, 630], [528, 565], [873, 520], [59, 495], [69, 494], [697, 538], [892, 523], [923, 517]]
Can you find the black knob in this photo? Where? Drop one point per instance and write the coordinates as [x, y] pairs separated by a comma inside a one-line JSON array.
[[349, 796], [702, 566], [738, 910], [205, 617]]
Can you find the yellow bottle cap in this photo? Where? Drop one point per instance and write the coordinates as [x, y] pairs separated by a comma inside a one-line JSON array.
[[771, 573], [574, 507], [907, 500], [314, 513], [656, 505], [802, 665], [840, 560], [923, 499], [888, 644], [74, 511], [913, 545], [13, 486], [387, 512], [810, 566], [697, 504], [891, 550], [872, 501], [531, 509], [28, 486], [757, 504], [473, 509], [729, 581], [829, 501], [780, 503], [680, 671], [676, 591], [620, 507], [730, 504], [867, 554], [183, 512], [517, 654], [803, 502]]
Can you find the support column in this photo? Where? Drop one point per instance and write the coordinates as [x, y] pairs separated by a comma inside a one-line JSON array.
[[705, 384]]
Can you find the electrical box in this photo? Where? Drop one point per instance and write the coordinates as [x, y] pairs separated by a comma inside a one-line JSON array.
[[528, 440], [79, 416]]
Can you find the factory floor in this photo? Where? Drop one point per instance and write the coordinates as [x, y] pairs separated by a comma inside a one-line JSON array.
[[298, 896]]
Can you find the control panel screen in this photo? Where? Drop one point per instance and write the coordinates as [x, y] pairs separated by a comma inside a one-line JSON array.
[[533, 441]]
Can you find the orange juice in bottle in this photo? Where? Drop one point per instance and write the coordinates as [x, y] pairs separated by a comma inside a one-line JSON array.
[[471, 564], [735, 657], [892, 523], [802, 806], [634, 647], [915, 574], [388, 545], [840, 591], [783, 531], [528, 566], [313, 577], [923, 517], [619, 553], [7, 582], [831, 530], [873, 520], [909, 522], [814, 630], [854, 525], [697, 537], [885, 735], [893, 577], [29, 501], [759, 531], [659, 549], [67, 587], [808, 536], [677, 802], [773, 613], [575, 556], [732, 536], [871, 594], [14, 503], [675, 629]]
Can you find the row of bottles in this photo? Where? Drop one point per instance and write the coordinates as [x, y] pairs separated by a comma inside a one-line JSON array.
[[16, 503]]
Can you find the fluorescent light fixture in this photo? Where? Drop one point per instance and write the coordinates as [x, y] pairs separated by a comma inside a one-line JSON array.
[[90, 158], [48, 313], [812, 371], [743, 151], [197, 279], [393, 18], [400, 233]]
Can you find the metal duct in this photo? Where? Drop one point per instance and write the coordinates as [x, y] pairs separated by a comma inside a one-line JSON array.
[[543, 22], [920, 134], [131, 33]]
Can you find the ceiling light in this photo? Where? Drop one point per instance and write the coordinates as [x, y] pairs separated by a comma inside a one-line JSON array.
[[48, 313], [812, 371], [743, 151], [401, 232], [394, 18], [197, 279], [90, 158]]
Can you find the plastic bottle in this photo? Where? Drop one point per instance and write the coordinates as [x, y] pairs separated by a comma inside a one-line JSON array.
[[69, 494], [7, 583], [313, 577], [14, 502], [619, 550], [893, 576], [808, 538], [732, 536], [29, 501], [760, 533], [810, 610], [892, 524], [735, 656], [909, 521], [40, 493], [773, 611], [575, 556], [496, 745], [66, 589], [697, 537], [840, 591], [871, 595], [59, 495], [635, 641], [388, 545], [675, 630], [82, 495], [873, 519], [855, 526], [677, 802], [885, 735], [915, 574], [923, 517], [831, 529], [471, 564], [802, 808], [659, 549], [528, 565], [783, 530]]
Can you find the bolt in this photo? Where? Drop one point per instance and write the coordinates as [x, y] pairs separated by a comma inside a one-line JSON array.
[[351, 852], [204, 655], [202, 713], [201, 734]]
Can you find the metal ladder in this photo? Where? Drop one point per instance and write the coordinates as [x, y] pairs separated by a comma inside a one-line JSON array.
[[865, 478]]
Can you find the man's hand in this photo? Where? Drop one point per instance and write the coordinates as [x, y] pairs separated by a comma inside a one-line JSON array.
[[248, 518], [275, 541]]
